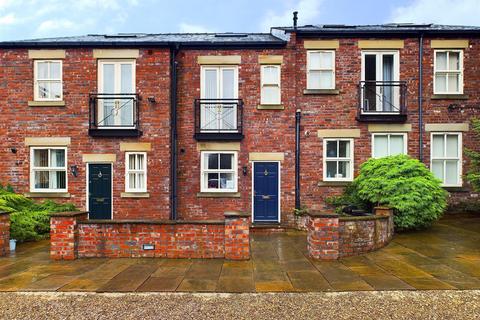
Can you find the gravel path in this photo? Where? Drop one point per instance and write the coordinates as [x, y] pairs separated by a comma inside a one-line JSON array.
[[347, 305]]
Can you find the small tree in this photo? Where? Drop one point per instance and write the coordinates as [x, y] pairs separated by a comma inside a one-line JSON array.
[[404, 184], [473, 174]]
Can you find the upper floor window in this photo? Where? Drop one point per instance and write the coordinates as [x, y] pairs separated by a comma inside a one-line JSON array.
[[270, 78], [136, 172], [321, 69], [446, 158], [219, 171], [48, 80], [338, 159], [448, 66], [388, 144], [48, 169]]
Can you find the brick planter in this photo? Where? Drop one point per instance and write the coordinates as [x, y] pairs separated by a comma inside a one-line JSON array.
[[330, 236], [4, 233], [73, 236]]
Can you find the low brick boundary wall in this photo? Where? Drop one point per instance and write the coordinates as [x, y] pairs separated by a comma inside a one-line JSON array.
[[330, 236], [73, 236], [4, 233]]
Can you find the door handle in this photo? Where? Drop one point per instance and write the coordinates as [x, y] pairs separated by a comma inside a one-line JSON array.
[[265, 197]]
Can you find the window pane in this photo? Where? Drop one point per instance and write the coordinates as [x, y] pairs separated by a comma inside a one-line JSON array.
[[57, 158], [451, 172], [226, 161], [343, 169], [211, 180], [452, 145], [326, 79], [58, 180], [41, 179], [226, 181], [108, 78], [140, 181], [437, 168], [43, 89], [132, 180], [126, 78], [228, 84], [453, 82], [396, 145], [326, 60], [441, 63], [270, 95], [314, 81], [211, 160], [344, 149], [55, 70], [140, 160], [454, 61], [270, 75], [55, 90], [211, 84], [131, 162], [380, 146], [331, 169], [332, 149], [314, 60], [438, 146], [42, 70], [40, 157], [440, 83]]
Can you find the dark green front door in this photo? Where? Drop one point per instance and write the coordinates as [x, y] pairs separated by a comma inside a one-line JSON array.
[[100, 191]]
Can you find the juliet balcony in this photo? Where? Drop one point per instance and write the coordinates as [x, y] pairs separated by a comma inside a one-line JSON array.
[[382, 101], [218, 119], [114, 115]]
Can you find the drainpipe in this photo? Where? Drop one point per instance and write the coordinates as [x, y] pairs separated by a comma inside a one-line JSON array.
[[173, 132], [420, 97], [298, 115]]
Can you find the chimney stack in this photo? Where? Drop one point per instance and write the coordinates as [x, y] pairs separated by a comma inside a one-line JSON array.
[[295, 18]]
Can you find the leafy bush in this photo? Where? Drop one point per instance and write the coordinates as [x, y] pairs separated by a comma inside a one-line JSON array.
[[402, 183], [29, 220], [348, 198], [473, 174]]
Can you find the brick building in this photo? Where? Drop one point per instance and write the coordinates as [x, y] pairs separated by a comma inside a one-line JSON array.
[[187, 126]]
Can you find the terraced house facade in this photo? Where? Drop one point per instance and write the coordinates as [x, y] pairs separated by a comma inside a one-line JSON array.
[[188, 126]]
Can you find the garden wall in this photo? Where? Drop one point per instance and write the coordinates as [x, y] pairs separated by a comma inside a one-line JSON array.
[[330, 236], [4, 233], [74, 236]]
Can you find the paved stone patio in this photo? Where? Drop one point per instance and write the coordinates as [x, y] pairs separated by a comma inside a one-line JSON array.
[[447, 256]]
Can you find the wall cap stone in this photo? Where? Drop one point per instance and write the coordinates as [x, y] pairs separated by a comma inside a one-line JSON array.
[[317, 214], [153, 222], [236, 214], [69, 214], [4, 213]]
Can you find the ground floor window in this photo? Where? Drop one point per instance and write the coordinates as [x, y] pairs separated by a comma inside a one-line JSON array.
[[219, 171], [337, 159], [388, 144], [446, 158], [136, 172], [48, 169]]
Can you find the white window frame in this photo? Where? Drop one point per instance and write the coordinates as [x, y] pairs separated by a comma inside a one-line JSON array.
[[274, 85], [459, 158], [460, 72], [389, 134], [36, 95], [128, 171], [325, 159], [309, 85], [33, 169], [234, 170]]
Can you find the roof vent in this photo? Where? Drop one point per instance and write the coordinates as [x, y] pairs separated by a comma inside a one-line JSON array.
[[123, 35], [231, 34], [411, 25], [338, 26]]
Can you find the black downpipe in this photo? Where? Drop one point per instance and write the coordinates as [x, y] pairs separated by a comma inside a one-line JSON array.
[[173, 133], [298, 115], [420, 98]]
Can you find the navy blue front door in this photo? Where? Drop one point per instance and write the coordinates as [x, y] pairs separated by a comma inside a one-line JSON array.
[[100, 191], [265, 191]]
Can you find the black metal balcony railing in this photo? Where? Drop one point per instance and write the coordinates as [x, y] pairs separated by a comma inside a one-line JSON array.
[[114, 115], [382, 101], [218, 119]]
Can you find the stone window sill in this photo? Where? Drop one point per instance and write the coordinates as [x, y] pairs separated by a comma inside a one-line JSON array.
[[449, 97], [270, 107], [218, 195], [333, 183], [47, 195], [46, 103], [321, 91], [135, 195]]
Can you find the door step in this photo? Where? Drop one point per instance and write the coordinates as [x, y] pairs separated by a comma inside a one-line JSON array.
[[267, 228]]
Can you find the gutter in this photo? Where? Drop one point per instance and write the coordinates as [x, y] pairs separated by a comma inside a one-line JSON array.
[[173, 132], [420, 97]]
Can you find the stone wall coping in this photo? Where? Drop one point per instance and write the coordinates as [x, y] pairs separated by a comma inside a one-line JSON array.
[[362, 218], [236, 214], [70, 214], [4, 212], [316, 214], [382, 207], [155, 222]]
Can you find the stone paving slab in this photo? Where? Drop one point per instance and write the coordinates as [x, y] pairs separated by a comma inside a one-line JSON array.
[[445, 257]]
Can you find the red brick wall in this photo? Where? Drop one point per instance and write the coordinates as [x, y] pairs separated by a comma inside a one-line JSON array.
[[64, 235], [4, 233], [79, 79]]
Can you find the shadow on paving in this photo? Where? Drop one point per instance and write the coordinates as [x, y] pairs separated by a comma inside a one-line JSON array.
[[447, 256]]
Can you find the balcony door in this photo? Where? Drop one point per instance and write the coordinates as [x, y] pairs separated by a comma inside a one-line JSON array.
[[380, 76], [116, 89], [219, 92]]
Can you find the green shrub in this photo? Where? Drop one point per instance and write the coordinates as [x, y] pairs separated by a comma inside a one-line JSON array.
[[473, 174], [29, 220]]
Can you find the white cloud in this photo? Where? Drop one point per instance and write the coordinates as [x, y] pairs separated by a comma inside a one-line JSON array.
[[193, 28], [8, 19], [308, 13], [54, 25], [463, 12]]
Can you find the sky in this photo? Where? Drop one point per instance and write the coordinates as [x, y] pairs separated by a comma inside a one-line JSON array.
[[31, 19]]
